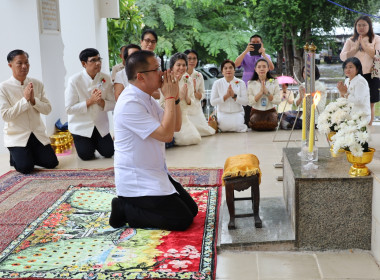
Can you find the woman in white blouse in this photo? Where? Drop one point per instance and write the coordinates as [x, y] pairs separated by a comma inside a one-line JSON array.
[[229, 94], [355, 88], [188, 135], [263, 95], [196, 116]]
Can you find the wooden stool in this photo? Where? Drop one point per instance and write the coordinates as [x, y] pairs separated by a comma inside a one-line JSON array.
[[239, 184]]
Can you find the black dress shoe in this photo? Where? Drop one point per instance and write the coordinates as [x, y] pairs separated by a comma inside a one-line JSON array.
[[117, 217]]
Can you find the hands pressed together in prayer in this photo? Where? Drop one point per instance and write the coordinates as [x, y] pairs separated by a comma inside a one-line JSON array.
[[342, 89], [264, 89], [197, 94], [230, 93], [301, 91], [170, 88], [29, 94], [96, 98], [361, 45]]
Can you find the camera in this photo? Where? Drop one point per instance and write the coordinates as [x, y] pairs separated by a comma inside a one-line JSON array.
[[256, 50]]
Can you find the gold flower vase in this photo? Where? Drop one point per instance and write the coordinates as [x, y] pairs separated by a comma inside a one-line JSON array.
[[358, 167], [340, 152], [330, 135]]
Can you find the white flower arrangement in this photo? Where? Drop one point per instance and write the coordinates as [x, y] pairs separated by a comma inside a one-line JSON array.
[[334, 114], [352, 135]]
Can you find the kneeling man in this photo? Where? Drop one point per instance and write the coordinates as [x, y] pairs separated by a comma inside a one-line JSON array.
[[147, 195], [88, 98], [22, 101]]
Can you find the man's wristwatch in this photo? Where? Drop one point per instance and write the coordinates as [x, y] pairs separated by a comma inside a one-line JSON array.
[[177, 101]]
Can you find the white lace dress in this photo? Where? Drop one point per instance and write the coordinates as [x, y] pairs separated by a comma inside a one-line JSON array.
[[196, 115]]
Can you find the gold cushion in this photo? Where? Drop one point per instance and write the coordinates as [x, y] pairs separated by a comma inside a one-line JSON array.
[[242, 165]]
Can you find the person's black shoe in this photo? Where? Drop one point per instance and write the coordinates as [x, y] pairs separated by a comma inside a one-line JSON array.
[[117, 217]]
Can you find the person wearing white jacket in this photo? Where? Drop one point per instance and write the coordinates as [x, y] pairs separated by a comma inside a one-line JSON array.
[[355, 87], [229, 94], [22, 101], [88, 98]]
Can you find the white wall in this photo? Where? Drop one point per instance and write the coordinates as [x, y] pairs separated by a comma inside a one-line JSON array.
[[82, 28], [20, 30], [54, 57]]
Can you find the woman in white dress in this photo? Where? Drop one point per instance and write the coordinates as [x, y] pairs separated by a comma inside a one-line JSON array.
[[229, 94], [188, 135], [196, 116], [263, 95], [355, 88], [318, 86]]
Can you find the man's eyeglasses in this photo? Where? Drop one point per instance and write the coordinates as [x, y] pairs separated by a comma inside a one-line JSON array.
[[154, 70], [94, 60], [149, 41]]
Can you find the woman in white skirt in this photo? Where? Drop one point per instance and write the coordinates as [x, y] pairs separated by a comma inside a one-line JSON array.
[[229, 94], [188, 135], [196, 116]]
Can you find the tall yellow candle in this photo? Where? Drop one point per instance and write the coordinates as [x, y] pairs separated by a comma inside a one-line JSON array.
[[312, 125], [304, 119]]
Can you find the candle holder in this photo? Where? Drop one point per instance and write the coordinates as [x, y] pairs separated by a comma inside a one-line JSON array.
[[302, 154], [311, 157]]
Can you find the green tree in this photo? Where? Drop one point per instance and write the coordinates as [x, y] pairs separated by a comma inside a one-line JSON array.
[[288, 24], [123, 30], [217, 29]]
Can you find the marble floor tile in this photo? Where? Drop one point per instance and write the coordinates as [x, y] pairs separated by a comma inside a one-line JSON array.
[[348, 265], [295, 266], [237, 266]]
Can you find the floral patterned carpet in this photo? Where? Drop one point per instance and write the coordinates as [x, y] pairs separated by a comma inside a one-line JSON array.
[[51, 231]]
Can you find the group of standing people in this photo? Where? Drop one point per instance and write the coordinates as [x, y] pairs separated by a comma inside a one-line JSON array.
[[361, 87]]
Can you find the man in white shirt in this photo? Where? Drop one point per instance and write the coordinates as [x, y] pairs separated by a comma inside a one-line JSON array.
[[120, 66], [22, 101], [121, 79], [147, 195], [88, 97]]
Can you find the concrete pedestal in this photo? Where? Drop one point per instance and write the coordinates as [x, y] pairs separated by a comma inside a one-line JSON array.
[[328, 208]]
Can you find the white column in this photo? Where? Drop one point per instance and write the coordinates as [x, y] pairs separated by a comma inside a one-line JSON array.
[[54, 56]]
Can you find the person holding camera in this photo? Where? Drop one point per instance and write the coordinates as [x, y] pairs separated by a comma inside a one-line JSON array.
[[247, 59]]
